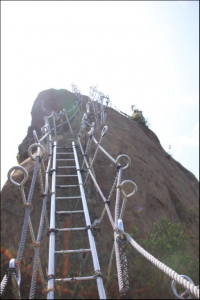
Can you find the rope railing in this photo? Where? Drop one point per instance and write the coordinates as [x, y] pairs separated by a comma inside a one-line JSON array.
[[168, 271], [40, 172], [44, 193], [43, 213], [120, 237], [95, 108], [46, 130], [4, 283], [119, 250]]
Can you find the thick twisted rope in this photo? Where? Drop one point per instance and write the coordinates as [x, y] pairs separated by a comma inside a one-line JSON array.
[[41, 225], [108, 201], [186, 284], [37, 248], [121, 261], [98, 188], [27, 212], [37, 171], [4, 283], [40, 179]]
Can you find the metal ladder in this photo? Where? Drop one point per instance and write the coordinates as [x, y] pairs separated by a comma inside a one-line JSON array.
[[69, 156]]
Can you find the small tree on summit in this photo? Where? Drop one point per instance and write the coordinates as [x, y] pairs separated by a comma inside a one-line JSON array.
[[138, 116]]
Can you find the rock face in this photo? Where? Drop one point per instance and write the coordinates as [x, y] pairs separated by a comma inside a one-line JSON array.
[[165, 187], [46, 102]]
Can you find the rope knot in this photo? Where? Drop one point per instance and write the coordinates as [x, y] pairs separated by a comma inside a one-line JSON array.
[[25, 205], [36, 244]]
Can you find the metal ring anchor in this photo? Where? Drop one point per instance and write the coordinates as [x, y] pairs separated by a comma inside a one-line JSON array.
[[44, 129], [128, 158], [35, 145], [13, 265], [103, 132], [120, 229], [11, 171], [173, 287], [134, 190], [35, 136]]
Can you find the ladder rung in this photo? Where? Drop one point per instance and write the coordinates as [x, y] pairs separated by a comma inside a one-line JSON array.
[[70, 229], [64, 148], [66, 175], [72, 197], [64, 159], [69, 212], [58, 153], [72, 251], [66, 186], [75, 279], [66, 167]]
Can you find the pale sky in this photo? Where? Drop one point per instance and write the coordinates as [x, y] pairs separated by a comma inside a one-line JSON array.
[[144, 53]]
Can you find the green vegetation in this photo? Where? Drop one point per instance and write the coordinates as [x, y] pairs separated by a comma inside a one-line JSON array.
[[168, 243], [68, 103], [67, 100], [138, 116]]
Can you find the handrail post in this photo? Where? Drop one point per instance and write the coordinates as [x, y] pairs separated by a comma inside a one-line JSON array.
[[54, 123]]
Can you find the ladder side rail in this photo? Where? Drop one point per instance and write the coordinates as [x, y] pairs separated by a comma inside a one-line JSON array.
[[96, 265], [54, 124], [51, 262]]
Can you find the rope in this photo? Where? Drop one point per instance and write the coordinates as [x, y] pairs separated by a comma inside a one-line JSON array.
[[122, 268], [98, 221], [186, 284], [27, 212], [36, 256], [99, 113], [4, 283], [40, 179], [98, 188], [121, 260], [28, 205]]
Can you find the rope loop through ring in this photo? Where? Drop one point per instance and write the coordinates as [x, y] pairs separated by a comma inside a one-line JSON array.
[[35, 145], [134, 188], [173, 286], [128, 159], [11, 171]]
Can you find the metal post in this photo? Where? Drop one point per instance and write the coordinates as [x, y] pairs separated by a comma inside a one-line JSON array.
[[54, 123], [96, 265], [101, 110], [15, 276], [51, 262]]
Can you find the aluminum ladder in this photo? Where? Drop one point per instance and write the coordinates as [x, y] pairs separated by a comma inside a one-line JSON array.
[[68, 156]]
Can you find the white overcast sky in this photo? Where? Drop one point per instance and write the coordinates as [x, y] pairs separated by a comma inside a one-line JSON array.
[[144, 53]]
